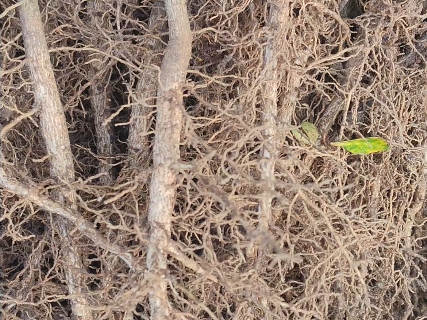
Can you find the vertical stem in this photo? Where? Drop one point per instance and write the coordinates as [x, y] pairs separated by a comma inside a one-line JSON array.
[[146, 88], [269, 151], [166, 152], [100, 93], [55, 134]]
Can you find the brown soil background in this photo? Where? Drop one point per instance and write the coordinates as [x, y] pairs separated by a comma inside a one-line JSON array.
[[346, 234]]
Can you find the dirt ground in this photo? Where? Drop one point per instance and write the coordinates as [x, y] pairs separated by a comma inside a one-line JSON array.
[[253, 224]]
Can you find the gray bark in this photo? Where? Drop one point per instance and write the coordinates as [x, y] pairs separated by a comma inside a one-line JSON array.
[[166, 153], [55, 134]]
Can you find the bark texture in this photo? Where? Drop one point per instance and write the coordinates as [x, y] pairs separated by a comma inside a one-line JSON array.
[[100, 92], [270, 96], [166, 152], [271, 118], [55, 134], [147, 88]]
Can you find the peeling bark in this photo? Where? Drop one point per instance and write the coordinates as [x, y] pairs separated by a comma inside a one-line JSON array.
[[100, 95], [55, 134], [280, 17], [166, 153], [146, 88]]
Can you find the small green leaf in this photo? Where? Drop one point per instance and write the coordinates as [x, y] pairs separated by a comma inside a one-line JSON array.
[[307, 135], [310, 131], [364, 145]]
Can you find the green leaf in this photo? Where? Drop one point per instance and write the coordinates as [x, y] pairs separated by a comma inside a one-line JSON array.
[[364, 145], [307, 135], [310, 131]]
